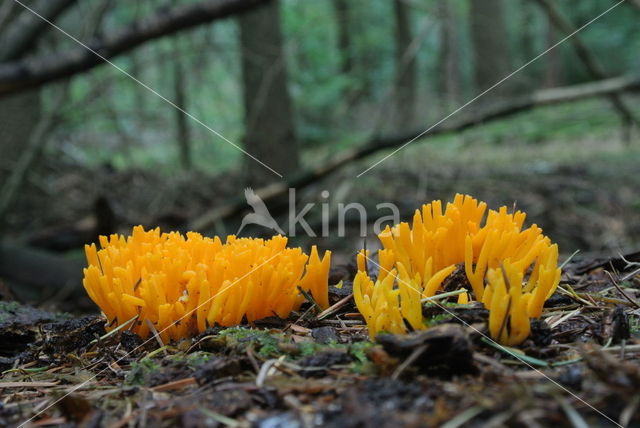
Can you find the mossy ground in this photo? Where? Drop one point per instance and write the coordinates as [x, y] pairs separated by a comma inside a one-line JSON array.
[[581, 369]]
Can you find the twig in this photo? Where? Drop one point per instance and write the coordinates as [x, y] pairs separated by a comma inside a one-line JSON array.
[[443, 295], [630, 410], [114, 331], [571, 293], [26, 384], [310, 298], [576, 420], [410, 359], [153, 330], [630, 275], [615, 284], [331, 309], [520, 356], [24, 30], [566, 262], [266, 369], [563, 318], [176, 384]]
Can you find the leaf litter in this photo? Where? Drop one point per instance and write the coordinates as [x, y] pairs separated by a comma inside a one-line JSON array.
[[579, 367]]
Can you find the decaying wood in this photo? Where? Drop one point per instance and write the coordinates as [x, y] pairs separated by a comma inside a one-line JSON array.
[[37, 271]]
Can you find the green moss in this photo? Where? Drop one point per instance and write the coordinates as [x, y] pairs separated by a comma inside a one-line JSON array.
[[309, 348], [268, 344], [634, 324], [8, 310], [363, 365], [429, 322], [193, 360], [265, 342], [141, 371], [14, 312], [359, 350]]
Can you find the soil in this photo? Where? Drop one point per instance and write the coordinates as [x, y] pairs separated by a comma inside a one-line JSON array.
[[580, 367]]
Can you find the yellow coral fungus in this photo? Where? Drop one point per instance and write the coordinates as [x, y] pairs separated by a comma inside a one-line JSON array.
[[519, 267], [182, 284]]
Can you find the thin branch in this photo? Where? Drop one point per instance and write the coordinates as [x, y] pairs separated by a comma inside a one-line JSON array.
[[499, 111], [37, 71], [593, 66], [6, 10], [25, 30], [621, 291]]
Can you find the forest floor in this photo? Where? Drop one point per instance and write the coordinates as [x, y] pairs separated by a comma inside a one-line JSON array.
[[580, 367], [565, 166]]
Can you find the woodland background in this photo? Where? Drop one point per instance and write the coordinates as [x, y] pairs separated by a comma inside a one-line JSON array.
[[319, 91]]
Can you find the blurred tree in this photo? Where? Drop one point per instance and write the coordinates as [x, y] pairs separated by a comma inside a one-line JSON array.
[[449, 73], [489, 46], [528, 37], [405, 72], [341, 8], [553, 59], [16, 76], [19, 114], [137, 69], [592, 64], [183, 136], [269, 126]]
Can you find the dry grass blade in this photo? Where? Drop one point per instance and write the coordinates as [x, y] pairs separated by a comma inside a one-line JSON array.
[[615, 284], [335, 307]]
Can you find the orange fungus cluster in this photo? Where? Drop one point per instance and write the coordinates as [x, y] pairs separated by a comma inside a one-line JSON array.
[[179, 285], [511, 270]]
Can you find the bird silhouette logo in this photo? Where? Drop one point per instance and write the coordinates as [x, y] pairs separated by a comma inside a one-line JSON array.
[[260, 214]]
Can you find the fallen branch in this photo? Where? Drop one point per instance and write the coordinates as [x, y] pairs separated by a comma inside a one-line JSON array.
[[499, 111], [591, 63], [35, 274], [36, 71]]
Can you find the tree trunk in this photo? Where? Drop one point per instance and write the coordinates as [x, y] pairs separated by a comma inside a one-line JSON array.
[[19, 115], [406, 76], [449, 62], [489, 46], [592, 64], [528, 78], [552, 60], [270, 131], [344, 35], [183, 136], [38, 70]]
